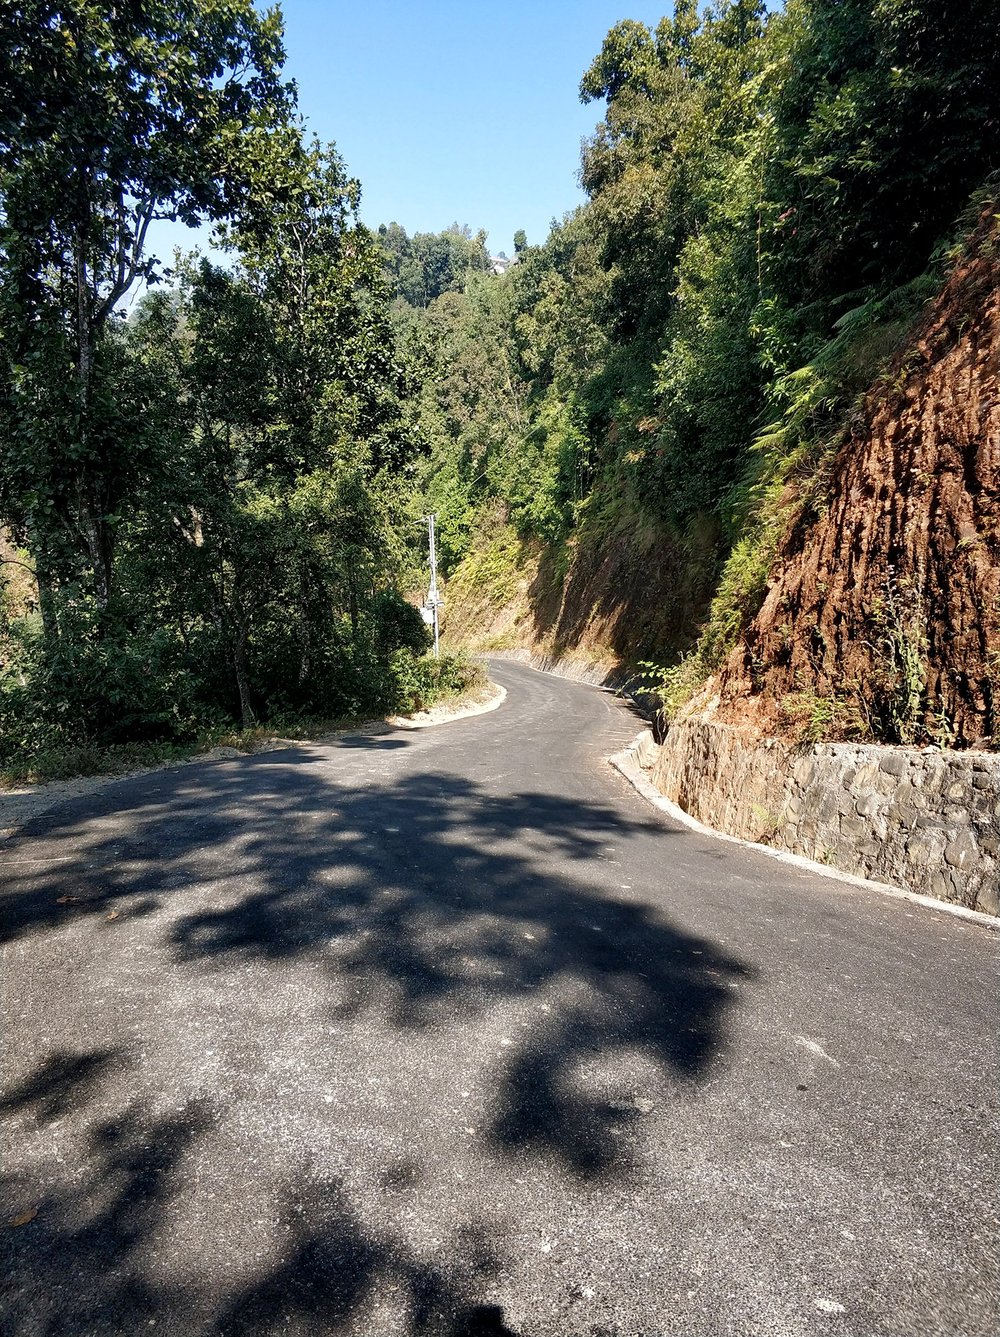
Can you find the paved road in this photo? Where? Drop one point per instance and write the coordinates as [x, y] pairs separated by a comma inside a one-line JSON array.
[[449, 1033]]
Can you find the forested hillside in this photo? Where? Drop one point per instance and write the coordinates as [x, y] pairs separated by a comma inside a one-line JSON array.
[[624, 429], [212, 471]]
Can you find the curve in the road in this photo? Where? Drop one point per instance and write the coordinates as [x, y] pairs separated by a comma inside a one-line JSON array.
[[448, 1032]]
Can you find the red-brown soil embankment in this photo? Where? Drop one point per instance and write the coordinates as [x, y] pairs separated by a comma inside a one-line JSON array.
[[888, 604]]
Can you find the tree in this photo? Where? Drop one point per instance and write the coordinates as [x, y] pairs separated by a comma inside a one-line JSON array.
[[889, 115], [110, 117], [275, 522], [424, 266]]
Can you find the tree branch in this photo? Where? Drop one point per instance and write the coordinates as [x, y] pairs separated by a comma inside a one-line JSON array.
[[13, 561], [127, 272]]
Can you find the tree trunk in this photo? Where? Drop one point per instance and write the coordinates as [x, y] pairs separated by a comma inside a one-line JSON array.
[[352, 602], [46, 581], [304, 628], [97, 540], [94, 529], [242, 681], [232, 629], [47, 609]]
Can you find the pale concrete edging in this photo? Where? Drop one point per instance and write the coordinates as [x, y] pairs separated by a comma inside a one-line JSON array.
[[426, 719], [923, 824]]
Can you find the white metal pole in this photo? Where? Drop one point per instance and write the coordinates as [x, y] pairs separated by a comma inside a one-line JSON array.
[[434, 586]]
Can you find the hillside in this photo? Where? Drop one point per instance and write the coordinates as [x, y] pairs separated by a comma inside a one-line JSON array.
[[736, 418], [600, 601], [710, 424], [883, 612], [880, 617]]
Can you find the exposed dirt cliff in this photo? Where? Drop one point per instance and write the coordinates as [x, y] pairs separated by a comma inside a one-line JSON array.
[[885, 610]]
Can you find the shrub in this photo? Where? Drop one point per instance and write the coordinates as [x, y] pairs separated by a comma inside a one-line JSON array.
[[425, 681]]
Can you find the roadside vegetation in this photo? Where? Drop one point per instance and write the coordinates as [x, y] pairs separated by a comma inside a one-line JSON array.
[[420, 683], [207, 477], [211, 469]]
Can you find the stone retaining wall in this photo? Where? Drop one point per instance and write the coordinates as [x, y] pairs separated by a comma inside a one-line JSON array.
[[922, 819]]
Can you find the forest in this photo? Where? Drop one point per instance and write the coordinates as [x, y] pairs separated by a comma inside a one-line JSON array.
[[213, 470], [207, 503]]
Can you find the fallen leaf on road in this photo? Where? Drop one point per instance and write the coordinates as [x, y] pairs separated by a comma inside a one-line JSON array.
[[68, 900], [113, 915], [23, 1218]]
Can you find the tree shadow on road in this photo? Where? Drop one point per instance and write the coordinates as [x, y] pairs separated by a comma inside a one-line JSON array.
[[89, 1262], [426, 901], [82, 1264]]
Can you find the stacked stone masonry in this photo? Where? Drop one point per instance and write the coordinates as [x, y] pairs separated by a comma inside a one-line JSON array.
[[924, 819]]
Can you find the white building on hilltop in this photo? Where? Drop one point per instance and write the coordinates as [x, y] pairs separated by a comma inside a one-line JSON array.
[[499, 264]]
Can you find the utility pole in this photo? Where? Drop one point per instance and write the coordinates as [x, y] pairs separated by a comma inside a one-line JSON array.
[[434, 600]]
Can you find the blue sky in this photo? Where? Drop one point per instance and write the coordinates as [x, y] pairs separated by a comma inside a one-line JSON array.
[[451, 112]]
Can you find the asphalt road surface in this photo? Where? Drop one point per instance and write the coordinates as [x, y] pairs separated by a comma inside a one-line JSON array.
[[450, 1033]]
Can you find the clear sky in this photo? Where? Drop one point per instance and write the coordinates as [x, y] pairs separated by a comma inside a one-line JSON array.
[[451, 111], [448, 111]]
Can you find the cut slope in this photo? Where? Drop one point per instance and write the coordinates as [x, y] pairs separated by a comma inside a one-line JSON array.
[[605, 599], [887, 608]]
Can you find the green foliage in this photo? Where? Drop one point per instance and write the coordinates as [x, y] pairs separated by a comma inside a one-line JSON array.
[[884, 120], [671, 686], [111, 689], [424, 681], [216, 497], [795, 450], [213, 494], [396, 625], [423, 267], [815, 717], [771, 201], [894, 697], [492, 568], [110, 118]]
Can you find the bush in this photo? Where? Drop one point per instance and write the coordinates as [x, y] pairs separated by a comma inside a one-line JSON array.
[[424, 681], [93, 701], [85, 691], [395, 624]]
